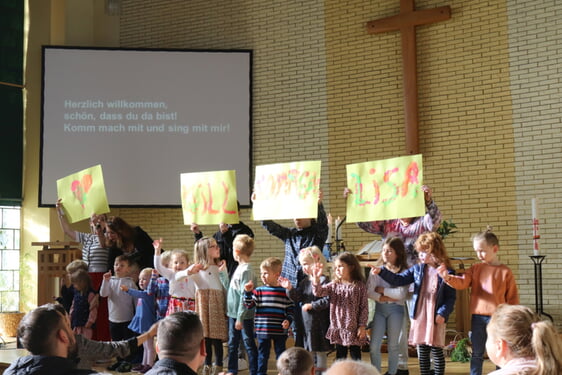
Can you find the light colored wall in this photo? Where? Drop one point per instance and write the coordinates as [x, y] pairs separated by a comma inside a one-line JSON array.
[[325, 89]]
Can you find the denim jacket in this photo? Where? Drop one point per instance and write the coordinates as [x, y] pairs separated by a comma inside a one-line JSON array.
[[446, 295]]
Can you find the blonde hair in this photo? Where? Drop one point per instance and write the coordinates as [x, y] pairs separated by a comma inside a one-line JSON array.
[[314, 255], [201, 252], [295, 361], [488, 236], [176, 252], [244, 244], [82, 281], [272, 263], [528, 336], [146, 270], [166, 256], [75, 265]]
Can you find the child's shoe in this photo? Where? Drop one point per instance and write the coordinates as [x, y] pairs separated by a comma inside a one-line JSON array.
[[137, 368], [124, 367], [145, 369]]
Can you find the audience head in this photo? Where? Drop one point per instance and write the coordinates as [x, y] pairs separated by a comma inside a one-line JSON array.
[[309, 256], [270, 270], [46, 331], [431, 249], [347, 268], [180, 337], [243, 244], [515, 331], [351, 367], [295, 361], [203, 251]]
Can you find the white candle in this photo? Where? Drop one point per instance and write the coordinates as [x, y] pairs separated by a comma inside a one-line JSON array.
[[535, 217], [338, 229], [330, 221]]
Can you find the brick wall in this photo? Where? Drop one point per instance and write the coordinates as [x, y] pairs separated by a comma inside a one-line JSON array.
[[324, 89]]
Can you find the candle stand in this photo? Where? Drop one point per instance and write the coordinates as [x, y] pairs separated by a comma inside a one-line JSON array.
[[537, 262]]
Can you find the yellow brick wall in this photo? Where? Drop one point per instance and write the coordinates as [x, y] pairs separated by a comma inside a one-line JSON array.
[[326, 90]]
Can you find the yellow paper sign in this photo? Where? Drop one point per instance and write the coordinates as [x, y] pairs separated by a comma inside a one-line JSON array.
[[286, 190], [83, 194], [209, 197], [385, 189]]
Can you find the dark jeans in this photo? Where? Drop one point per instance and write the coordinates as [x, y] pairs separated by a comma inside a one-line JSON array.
[[478, 338], [247, 336], [264, 347]]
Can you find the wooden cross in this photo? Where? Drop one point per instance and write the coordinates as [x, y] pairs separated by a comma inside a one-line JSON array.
[[406, 22]]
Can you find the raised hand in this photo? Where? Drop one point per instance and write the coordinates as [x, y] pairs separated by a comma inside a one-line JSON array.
[[195, 228], [285, 283], [107, 275], [157, 246], [346, 192], [249, 286], [427, 193]]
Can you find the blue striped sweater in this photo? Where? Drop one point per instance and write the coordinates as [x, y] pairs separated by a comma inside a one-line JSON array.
[[272, 308]]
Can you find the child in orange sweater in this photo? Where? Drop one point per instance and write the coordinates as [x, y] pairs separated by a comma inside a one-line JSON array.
[[492, 284]]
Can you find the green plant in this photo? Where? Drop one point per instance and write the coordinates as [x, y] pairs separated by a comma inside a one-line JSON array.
[[460, 351], [446, 228]]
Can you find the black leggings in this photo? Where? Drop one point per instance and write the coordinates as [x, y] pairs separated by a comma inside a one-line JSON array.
[[354, 352], [209, 345]]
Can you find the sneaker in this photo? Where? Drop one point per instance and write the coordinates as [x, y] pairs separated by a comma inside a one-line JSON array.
[[402, 372], [124, 367], [145, 369]]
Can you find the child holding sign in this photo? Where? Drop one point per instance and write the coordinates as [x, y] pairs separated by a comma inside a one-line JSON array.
[[307, 232]]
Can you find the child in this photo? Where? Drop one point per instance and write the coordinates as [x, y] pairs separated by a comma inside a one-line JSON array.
[[144, 318], [210, 299], [84, 309], [295, 361], [492, 284], [181, 290], [522, 344], [389, 305], [159, 287], [434, 300], [315, 310], [307, 232], [66, 288], [240, 319], [274, 311], [349, 308], [121, 305]]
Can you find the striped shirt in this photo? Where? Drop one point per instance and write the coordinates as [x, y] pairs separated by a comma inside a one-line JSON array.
[[272, 308], [92, 252]]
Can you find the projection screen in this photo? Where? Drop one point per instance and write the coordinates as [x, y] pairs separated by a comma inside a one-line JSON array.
[[146, 116]]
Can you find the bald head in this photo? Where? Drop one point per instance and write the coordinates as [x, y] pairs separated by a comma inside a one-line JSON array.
[[350, 367]]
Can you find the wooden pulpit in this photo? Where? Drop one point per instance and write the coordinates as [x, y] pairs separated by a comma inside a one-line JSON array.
[[51, 267]]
